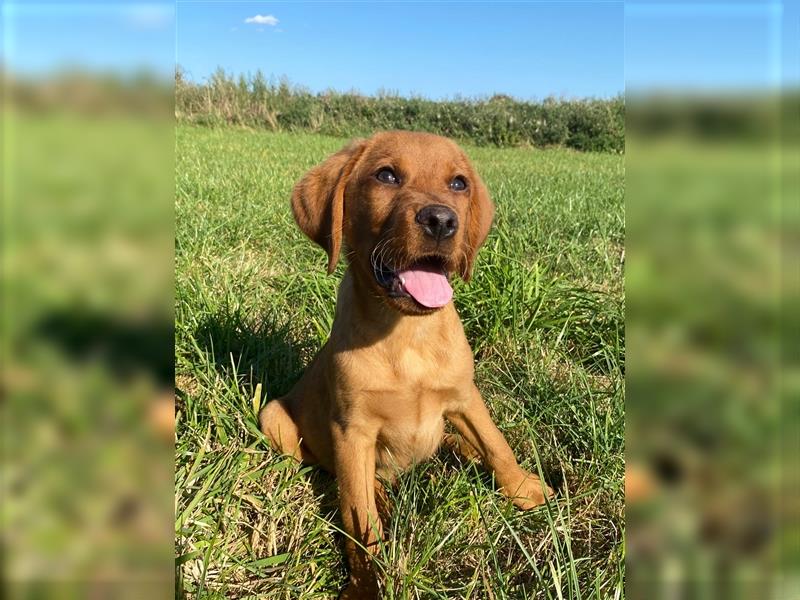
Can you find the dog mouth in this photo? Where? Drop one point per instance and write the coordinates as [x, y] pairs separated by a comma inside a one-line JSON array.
[[425, 281]]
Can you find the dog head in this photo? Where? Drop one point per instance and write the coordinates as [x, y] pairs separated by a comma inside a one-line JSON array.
[[410, 208]]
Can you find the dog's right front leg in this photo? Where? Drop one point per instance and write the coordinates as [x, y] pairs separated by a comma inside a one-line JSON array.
[[354, 450]]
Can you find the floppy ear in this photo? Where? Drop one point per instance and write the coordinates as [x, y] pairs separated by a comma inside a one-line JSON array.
[[479, 221], [318, 200]]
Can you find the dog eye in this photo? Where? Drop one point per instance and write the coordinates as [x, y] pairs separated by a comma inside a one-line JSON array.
[[459, 184], [386, 175]]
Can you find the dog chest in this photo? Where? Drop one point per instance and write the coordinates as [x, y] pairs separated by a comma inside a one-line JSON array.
[[423, 369], [408, 439], [438, 371]]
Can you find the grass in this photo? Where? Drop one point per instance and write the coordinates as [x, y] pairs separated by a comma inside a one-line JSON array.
[[86, 351], [544, 314]]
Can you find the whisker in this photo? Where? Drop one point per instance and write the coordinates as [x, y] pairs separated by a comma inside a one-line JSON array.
[[375, 255]]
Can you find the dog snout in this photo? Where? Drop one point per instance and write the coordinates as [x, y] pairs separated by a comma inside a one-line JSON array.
[[437, 221]]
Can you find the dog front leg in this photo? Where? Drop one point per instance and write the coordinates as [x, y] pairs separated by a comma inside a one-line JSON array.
[[355, 471], [482, 437]]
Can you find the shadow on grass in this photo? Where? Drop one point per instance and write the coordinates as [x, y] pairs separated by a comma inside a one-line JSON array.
[[124, 346], [262, 352], [266, 352]]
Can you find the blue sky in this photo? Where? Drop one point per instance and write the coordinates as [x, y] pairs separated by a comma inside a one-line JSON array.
[[111, 35], [527, 50], [711, 45], [435, 49]]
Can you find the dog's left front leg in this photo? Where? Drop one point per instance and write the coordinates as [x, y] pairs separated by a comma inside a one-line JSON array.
[[482, 437], [354, 451]]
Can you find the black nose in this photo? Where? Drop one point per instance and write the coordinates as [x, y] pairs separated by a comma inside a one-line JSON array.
[[438, 221]]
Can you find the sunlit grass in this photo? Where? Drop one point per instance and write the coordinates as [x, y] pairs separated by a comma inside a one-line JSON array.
[[544, 314]]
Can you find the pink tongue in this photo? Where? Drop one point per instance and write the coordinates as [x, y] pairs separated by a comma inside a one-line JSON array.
[[428, 285]]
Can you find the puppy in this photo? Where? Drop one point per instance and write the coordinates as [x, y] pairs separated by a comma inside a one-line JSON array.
[[410, 211]]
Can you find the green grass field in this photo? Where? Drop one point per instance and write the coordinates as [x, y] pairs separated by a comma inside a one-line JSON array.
[[544, 314]]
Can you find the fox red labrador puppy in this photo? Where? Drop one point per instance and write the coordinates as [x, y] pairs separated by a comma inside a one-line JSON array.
[[410, 211]]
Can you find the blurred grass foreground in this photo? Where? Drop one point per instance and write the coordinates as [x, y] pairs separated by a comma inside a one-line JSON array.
[[712, 379], [87, 365]]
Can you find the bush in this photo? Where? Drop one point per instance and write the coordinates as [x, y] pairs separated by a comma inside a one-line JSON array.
[[590, 125]]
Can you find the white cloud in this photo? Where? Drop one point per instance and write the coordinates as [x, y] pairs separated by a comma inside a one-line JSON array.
[[262, 20]]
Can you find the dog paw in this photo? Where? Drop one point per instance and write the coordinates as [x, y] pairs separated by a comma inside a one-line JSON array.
[[528, 492]]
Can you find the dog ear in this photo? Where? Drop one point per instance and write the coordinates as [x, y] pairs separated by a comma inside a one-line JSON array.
[[318, 200], [479, 221]]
